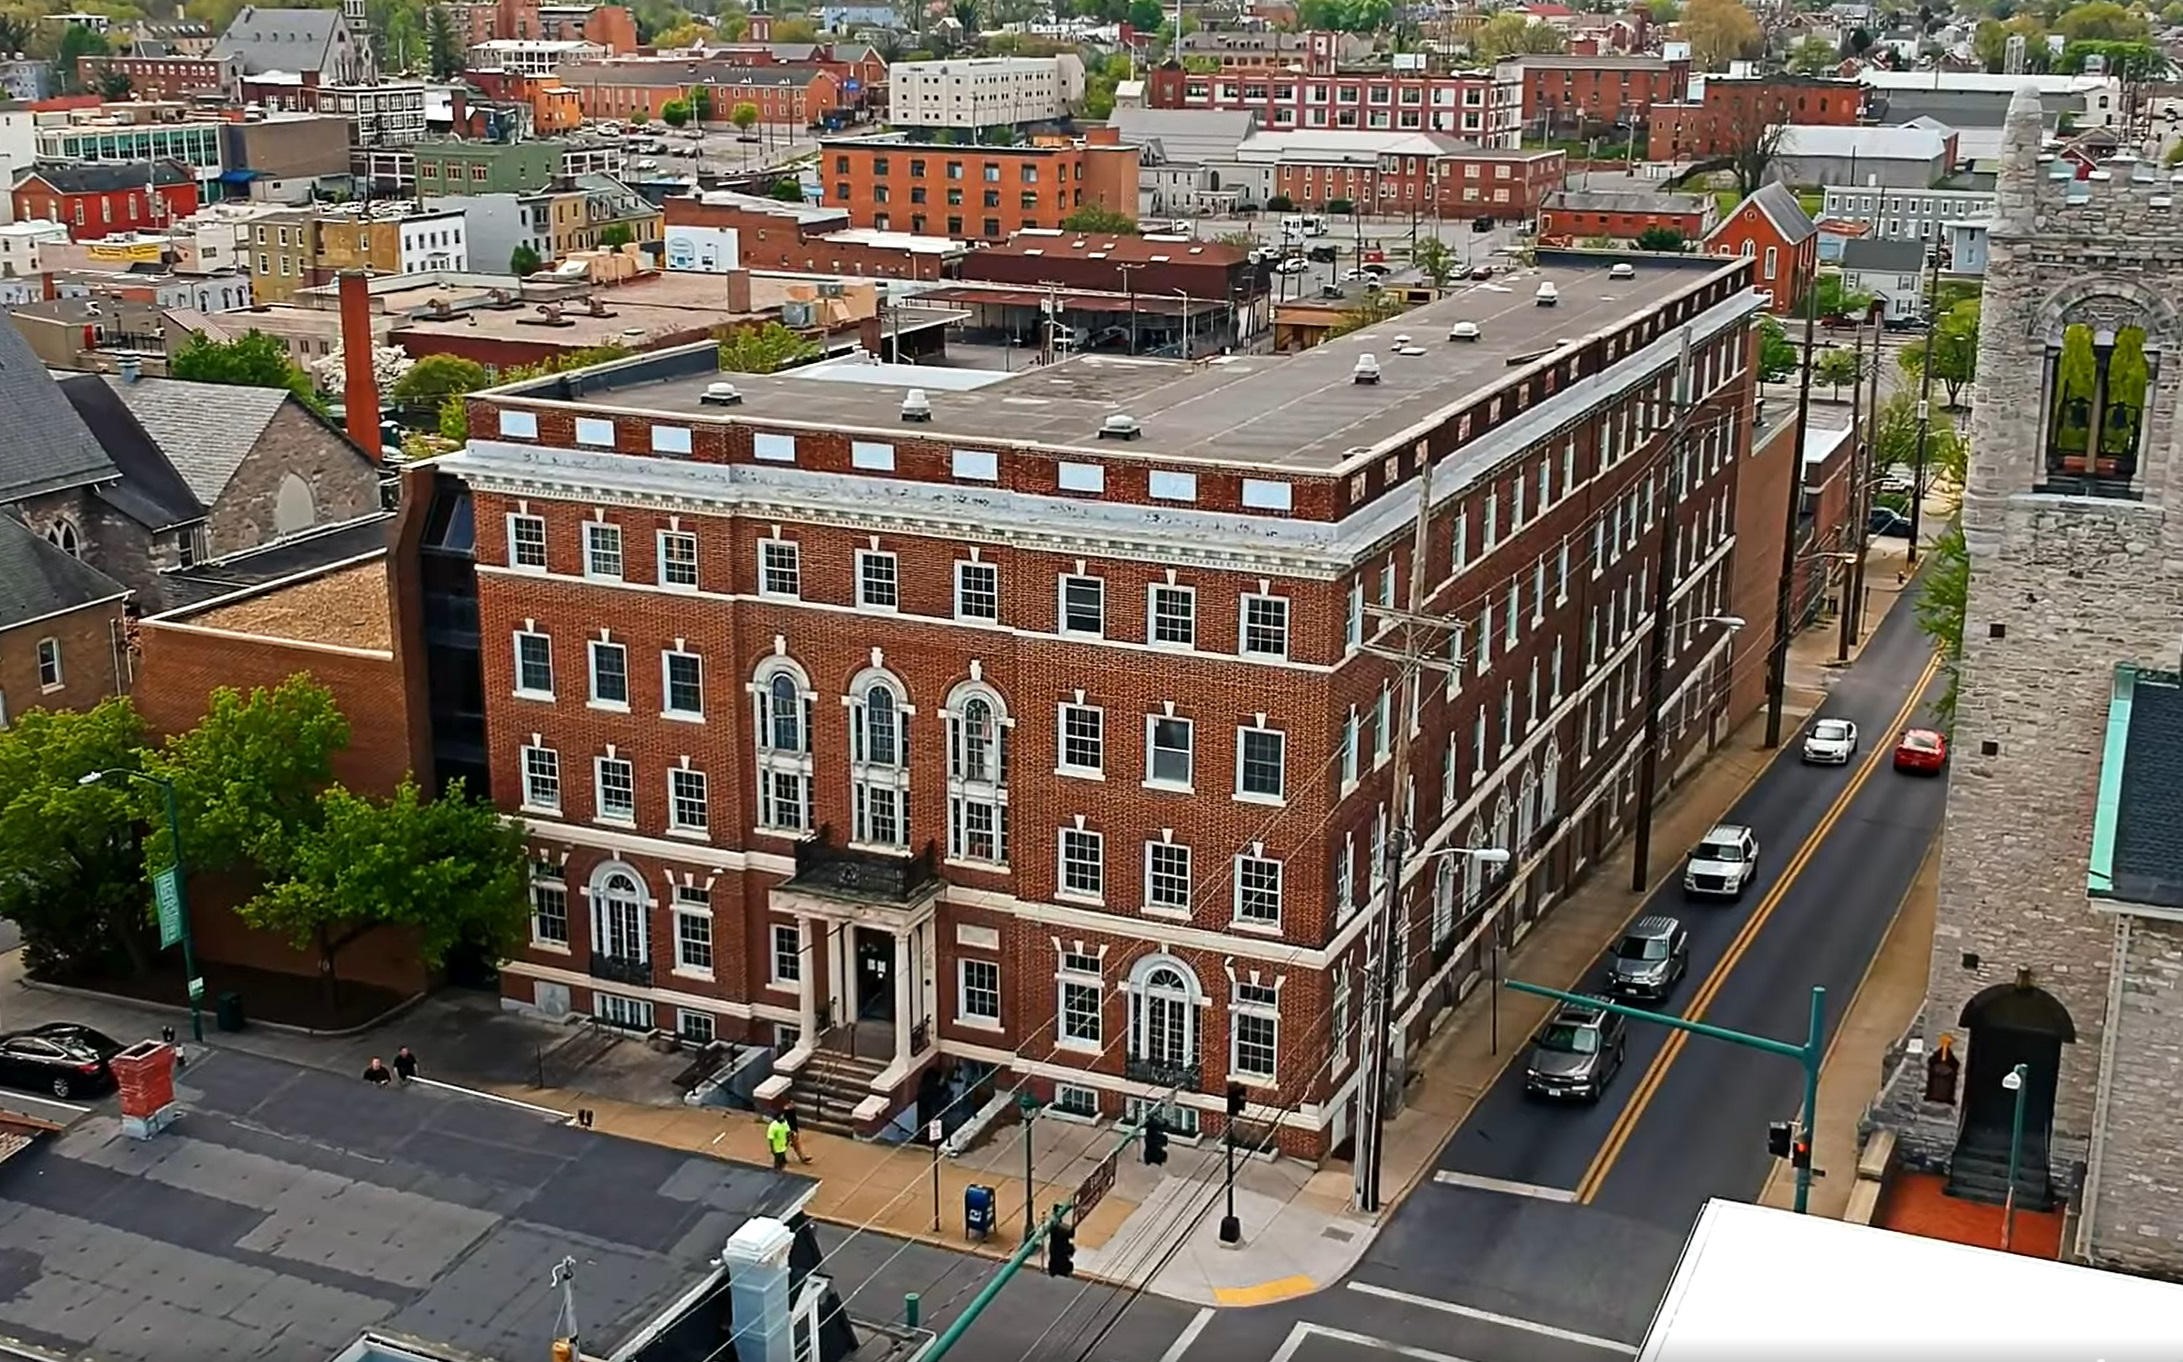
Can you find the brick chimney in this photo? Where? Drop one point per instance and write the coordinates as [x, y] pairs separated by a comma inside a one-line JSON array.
[[362, 404]]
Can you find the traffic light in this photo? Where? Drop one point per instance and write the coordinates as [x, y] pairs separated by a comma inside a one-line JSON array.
[[1780, 1137], [1236, 1096], [1801, 1155], [1060, 1251], [1155, 1140]]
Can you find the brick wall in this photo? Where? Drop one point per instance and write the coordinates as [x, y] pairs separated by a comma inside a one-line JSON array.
[[343, 484], [94, 660], [769, 241]]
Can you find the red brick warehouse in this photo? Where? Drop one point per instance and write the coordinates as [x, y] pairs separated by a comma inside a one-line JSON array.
[[989, 746]]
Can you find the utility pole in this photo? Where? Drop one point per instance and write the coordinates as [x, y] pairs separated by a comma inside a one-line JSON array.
[[1863, 526], [1925, 399], [1129, 286], [1373, 1089], [1777, 662], [1856, 486], [1656, 646]]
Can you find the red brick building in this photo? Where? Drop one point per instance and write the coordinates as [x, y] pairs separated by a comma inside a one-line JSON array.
[[1771, 229], [1621, 215], [1478, 106], [63, 643], [640, 88], [97, 200], [973, 193], [1016, 751], [771, 235], [1586, 96], [1431, 174], [1731, 111], [167, 77]]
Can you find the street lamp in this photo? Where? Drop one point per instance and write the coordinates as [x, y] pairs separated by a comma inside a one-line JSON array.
[[172, 895], [1486, 856], [2013, 1080]]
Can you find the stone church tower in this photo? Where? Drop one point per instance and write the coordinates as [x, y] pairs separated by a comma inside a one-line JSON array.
[[2059, 939]]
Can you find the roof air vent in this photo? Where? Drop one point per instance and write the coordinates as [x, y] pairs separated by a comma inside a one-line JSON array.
[[721, 395], [1120, 426], [916, 406]]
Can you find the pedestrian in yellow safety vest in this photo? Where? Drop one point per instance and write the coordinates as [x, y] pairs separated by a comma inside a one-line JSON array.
[[777, 1138]]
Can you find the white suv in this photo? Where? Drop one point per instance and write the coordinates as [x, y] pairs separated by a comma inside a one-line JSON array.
[[1722, 863]]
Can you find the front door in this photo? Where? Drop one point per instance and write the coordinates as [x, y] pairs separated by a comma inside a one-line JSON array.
[[875, 975], [1989, 1108]]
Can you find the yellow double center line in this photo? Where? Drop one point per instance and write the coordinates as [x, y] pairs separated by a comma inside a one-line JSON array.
[[1619, 1134]]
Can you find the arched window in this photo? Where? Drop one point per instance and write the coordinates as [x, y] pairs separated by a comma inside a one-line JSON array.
[[1444, 899], [977, 765], [61, 534], [1163, 1021], [1474, 881], [1550, 782], [2100, 383], [1527, 812], [1504, 823], [618, 904], [294, 508], [879, 760], [781, 721]]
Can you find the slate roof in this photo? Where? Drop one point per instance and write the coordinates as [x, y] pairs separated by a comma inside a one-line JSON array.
[[280, 39], [2137, 839], [1624, 201], [290, 1210], [44, 445], [1883, 255], [108, 177], [37, 579], [150, 491], [205, 429]]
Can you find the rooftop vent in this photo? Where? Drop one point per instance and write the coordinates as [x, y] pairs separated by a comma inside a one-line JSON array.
[[1120, 426], [916, 406], [721, 395], [1367, 370]]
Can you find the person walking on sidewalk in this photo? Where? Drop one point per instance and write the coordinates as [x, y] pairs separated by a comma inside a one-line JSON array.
[[405, 1065], [795, 1131], [778, 1137], [377, 1074]]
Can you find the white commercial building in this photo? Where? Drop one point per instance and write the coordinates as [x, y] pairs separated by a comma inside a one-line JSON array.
[[983, 92], [435, 242], [531, 56]]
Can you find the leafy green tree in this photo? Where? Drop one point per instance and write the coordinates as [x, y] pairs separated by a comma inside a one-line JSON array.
[[1895, 443], [455, 419], [71, 869], [2102, 21], [1954, 344], [1344, 16], [248, 776], [1660, 239], [1339, 207], [1990, 40], [1280, 203], [435, 378], [1940, 611], [2136, 60], [1664, 11], [675, 113], [402, 45], [1720, 31], [1093, 218], [788, 190], [1777, 357], [999, 135], [115, 86], [763, 349], [1832, 300], [1146, 15], [1813, 56], [253, 360], [1510, 33], [442, 45], [615, 235], [76, 42], [793, 30], [522, 261], [701, 103], [744, 116], [451, 869], [1836, 368], [1433, 257]]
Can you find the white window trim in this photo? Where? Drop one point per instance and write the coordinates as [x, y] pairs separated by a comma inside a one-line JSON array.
[[1243, 796], [795, 564], [965, 1017], [687, 716], [1183, 912], [532, 568], [521, 692], [865, 555], [591, 668], [621, 551], [1062, 766], [773, 957], [523, 777], [1243, 615], [1152, 617], [1190, 726], [1063, 977], [659, 549], [679, 910], [1062, 891], [961, 564], [539, 943], [598, 793], [1238, 1008], [1240, 923], [1061, 605], [676, 827]]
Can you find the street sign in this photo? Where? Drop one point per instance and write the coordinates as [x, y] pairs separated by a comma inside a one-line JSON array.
[[1096, 1185], [933, 1131], [167, 893], [197, 989]]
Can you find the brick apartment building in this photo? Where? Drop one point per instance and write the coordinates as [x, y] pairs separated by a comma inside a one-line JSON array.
[[1012, 750], [640, 88], [771, 235], [982, 193], [166, 77], [1442, 178], [1726, 112], [97, 200], [1478, 106], [1579, 96], [1624, 215]]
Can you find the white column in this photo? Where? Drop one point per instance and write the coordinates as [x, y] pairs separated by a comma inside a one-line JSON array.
[[807, 982], [902, 979]]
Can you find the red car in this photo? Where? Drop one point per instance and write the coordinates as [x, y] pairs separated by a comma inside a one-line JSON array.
[[1921, 750]]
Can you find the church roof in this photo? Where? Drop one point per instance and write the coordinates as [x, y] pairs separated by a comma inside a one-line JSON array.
[[2137, 828]]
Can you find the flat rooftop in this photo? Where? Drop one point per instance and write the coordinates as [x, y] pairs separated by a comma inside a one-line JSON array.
[[346, 608], [291, 1209], [1299, 412]]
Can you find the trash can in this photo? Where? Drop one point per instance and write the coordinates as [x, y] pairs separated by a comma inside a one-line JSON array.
[[229, 1012], [977, 1210]]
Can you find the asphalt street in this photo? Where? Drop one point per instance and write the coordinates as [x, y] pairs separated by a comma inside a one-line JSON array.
[[1550, 1231]]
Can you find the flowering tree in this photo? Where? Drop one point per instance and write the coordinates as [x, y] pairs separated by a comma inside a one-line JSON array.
[[388, 364]]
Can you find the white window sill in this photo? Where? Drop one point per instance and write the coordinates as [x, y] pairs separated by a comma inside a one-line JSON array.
[[529, 569], [519, 693], [764, 830], [1168, 645], [1169, 914], [1074, 1118], [765, 595], [58, 685], [615, 578], [678, 588], [1255, 928], [878, 848], [1263, 655], [681, 716], [1169, 786], [1095, 635], [701, 975], [1082, 1047], [543, 810], [784, 985], [991, 1024], [870, 609], [1080, 773], [605, 821], [551, 947], [1267, 800], [965, 863], [690, 834], [609, 706], [1075, 896]]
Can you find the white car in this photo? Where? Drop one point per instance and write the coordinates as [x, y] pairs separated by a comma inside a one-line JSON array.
[[1295, 264], [1463, 331], [1547, 295], [1722, 864], [1832, 742]]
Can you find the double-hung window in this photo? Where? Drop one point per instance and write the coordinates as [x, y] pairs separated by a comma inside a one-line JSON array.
[[1168, 751], [1083, 740], [1083, 606], [779, 573], [678, 560], [687, 806], [978, 992], [602, 550], [609, 674], [1174, 617], [1265, 626], [1254, 1052], [693, 931], [1083, 864], [977, 592], [617, 790], [534, 665], [1260, 762], [542, 779], [1167, 877], [1258, 891], [879, 585], [1080, 995], [527, 542]]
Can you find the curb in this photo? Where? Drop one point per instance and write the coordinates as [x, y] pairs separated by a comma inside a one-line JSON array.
[[182, 1009]]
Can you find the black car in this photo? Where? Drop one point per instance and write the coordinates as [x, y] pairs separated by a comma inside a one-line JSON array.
[[1481, 224], [61, 1058], [1886, 523], [1576, 1054], [1650, 959]]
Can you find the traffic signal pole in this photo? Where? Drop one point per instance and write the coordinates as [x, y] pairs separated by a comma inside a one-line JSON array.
[[1810, 1054]]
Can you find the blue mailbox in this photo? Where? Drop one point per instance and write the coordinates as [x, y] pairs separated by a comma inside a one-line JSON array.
[[977, 1210]]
